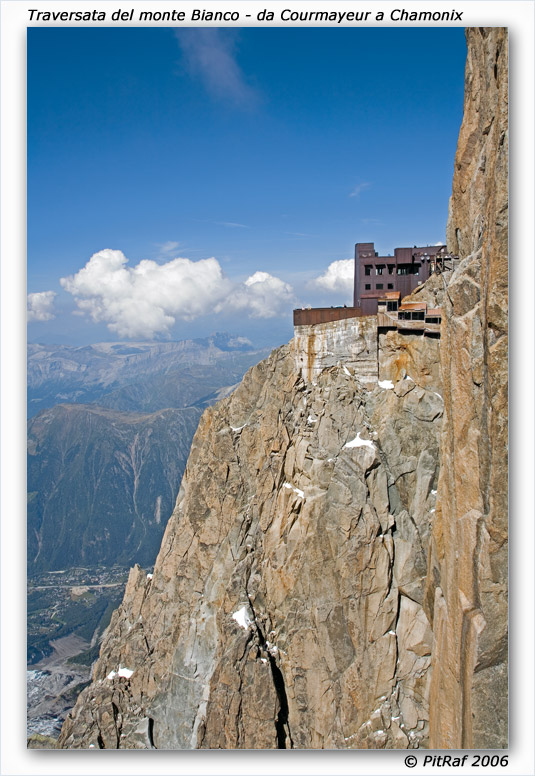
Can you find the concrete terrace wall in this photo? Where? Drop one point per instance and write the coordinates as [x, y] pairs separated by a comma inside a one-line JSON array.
[[351, 342]]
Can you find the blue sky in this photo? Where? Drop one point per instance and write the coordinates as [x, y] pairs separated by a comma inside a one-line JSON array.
[[235, 164]]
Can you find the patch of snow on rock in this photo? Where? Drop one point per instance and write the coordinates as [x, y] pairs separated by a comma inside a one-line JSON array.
[[126, 672], [242, 618], [386, 384], [358, 442]]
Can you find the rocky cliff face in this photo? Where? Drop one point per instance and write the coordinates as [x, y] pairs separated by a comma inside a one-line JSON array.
[[312, 588], [467, 578], [286, 603]]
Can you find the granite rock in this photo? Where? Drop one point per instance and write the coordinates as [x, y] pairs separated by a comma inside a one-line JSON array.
[[466, 594]]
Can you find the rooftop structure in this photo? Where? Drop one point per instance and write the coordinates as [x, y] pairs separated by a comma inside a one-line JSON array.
[[404, 271], [381, 285]]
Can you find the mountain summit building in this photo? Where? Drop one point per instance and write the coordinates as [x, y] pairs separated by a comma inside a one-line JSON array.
[[382, 285], [404, 271]]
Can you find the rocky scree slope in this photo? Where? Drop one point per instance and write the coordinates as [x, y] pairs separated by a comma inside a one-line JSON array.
[[285, 609]]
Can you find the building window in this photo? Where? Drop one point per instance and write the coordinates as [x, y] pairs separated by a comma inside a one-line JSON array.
[[416, 270], [392, 307], [390, 286], [379, 269], [391, 268], [404, 269], [379, 286], [367, 287], [367, 269]]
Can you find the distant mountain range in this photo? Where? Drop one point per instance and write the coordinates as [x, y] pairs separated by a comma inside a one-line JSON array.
[[137, 376], [105, 464]]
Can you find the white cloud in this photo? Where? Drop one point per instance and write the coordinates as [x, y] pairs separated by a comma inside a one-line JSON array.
[[147, 299], [40, 306], [358, 189], [232, 224], [144, 300], [262, 295], [338, 277], [209, 54]]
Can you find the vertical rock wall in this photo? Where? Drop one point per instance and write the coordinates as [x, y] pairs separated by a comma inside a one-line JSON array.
[[467, 578]]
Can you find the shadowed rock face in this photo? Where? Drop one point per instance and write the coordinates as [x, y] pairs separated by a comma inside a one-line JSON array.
[[467, 579], [307, 593]]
